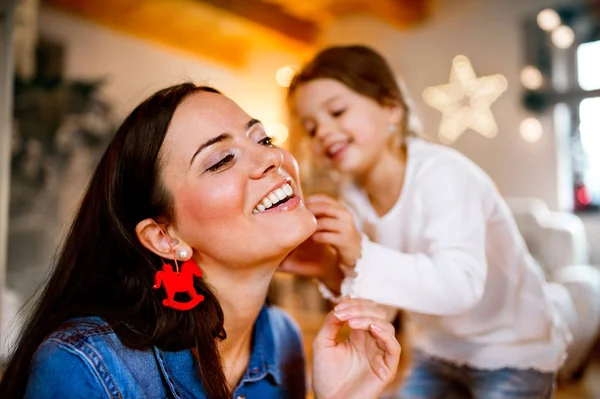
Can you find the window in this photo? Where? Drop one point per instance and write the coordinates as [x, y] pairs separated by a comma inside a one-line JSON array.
[[588, 65], [587, 126], [588, 192], [563, 46]]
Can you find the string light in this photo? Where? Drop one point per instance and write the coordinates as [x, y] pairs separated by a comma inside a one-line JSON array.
[[531, 78], [481, 93], [531, 129], [285, 75], [563, 37], [548, 19]]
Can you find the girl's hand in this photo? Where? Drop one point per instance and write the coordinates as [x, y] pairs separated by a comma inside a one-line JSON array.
[[315, 260], [363, 364], [335, 227]]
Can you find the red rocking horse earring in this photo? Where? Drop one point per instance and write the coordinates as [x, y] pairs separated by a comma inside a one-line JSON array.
[[179, 281], [175, 282]]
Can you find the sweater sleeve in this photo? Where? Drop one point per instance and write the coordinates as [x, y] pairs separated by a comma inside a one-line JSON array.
[[448, 277]]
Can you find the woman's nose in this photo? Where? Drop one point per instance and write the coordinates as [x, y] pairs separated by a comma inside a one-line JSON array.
[[268, 159]]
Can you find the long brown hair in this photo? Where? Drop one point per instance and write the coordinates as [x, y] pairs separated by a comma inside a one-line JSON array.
[[103, 270]]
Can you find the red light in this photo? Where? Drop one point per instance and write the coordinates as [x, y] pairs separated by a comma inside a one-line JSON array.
[[583, 196]]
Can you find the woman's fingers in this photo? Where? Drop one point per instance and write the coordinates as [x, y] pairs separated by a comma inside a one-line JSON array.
[[353, 308], [391, 348], [326, 337], [364, 323]]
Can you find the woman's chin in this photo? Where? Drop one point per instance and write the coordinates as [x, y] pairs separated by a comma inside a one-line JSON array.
[[302, 232], [309, 228]]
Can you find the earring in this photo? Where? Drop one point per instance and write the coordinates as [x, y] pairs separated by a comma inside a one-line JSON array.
[[179, 280], [175, 282], [183, 254], [392, 127]]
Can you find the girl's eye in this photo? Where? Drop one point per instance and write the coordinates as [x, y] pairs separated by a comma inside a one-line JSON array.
[[221, 164], [311, 132], [338, 112], [268, 141]]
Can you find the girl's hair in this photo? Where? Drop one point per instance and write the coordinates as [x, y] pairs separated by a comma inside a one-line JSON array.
[[366, 72], [103, 270]]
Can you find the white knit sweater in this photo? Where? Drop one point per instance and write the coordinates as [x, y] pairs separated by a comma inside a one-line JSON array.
[[450, 254]]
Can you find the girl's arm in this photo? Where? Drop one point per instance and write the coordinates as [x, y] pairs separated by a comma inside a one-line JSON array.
[[448, 277]]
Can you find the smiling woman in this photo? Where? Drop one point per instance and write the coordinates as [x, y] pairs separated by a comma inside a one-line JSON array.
[[189, 180]]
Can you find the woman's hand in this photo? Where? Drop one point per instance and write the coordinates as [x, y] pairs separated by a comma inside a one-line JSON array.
[[335, 227], [360, 366]]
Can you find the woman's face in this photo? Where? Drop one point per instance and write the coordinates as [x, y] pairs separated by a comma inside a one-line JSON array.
[[347, 128], [237, 197]]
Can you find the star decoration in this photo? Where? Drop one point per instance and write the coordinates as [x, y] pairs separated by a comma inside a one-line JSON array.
[[449, 99]]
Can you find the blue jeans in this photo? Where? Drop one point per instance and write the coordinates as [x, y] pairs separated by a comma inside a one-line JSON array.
[[433, 378]]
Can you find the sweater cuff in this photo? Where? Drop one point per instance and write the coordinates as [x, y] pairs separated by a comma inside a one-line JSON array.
[[352, 275], [327, 294]]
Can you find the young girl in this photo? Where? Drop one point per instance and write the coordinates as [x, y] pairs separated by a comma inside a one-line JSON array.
[[189, 179], [427, 232]]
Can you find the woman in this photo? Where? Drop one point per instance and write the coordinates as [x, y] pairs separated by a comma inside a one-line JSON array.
[[189, 179], [427, 233]]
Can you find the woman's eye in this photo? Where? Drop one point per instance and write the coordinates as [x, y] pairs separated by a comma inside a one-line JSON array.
[[268, 141], [221, 164], [338, 112]]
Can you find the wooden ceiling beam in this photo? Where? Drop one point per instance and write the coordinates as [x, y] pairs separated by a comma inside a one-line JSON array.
[[400, 13], [271, 16], [198, 26]]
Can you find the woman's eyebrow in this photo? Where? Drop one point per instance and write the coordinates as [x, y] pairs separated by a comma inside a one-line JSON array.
[[217, 139], [222, 137], [251, 123]]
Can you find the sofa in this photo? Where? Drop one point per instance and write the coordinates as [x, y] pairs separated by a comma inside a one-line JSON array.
[[558, 241]]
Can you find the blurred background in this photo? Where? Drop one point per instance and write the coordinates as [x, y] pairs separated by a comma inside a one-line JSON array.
[[70, 70]]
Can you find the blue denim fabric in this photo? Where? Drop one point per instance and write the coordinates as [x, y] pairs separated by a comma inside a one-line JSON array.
[[433, 378], [86, 360]]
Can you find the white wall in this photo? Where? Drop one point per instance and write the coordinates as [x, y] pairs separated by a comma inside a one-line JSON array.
[[136, 68]]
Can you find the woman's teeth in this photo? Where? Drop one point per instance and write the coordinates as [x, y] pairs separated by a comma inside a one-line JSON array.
[[274, 197]]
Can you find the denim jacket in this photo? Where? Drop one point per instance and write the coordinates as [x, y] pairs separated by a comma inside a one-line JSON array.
[[87, 360]]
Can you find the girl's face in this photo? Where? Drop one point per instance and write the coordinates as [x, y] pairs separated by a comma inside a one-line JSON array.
[[349, 129], [237, 197]]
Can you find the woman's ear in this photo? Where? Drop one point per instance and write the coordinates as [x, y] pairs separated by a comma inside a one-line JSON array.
[[155, 238]]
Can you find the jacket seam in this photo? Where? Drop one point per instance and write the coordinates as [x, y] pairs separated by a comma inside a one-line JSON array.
[[89, 357]]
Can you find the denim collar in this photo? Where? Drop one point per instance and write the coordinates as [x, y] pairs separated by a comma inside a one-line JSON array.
[[180, 374]]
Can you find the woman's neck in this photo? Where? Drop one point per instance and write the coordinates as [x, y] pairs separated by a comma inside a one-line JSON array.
[[241, 295], [384, 180]]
